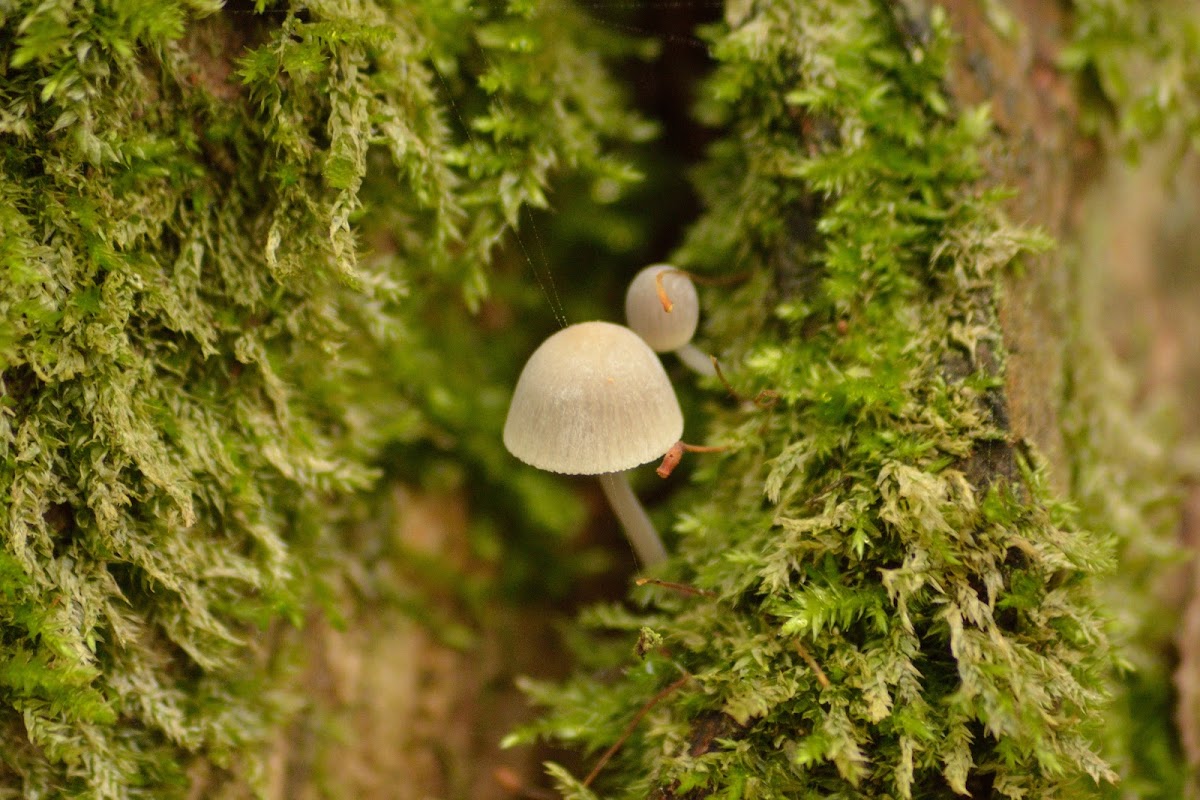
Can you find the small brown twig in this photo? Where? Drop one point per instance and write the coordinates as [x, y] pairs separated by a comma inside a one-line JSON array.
[[670, 460], [629, 729], [812, 664], [765, 399], [713, 280], [725, 381], [683, 588], [672, 457], [816, 498], [511, 782], [705, 280]]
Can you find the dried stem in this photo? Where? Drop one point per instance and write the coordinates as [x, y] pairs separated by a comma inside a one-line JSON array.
[[673, 456], [682, 588], [812, 664], [704, 280], [629, 729], [767, 398]]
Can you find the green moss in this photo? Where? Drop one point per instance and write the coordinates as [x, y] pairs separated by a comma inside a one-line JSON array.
[[241, 252], [191, 344], [1137, 67], [878, 518], [1124, 483], [1139, 64]]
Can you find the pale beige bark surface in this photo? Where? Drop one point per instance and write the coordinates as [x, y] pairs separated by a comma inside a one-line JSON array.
[[388, 705], [1152, 304], [395, 711]]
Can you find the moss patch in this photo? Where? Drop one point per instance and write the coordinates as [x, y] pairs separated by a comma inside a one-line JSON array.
[[877, 521], [192, 346]]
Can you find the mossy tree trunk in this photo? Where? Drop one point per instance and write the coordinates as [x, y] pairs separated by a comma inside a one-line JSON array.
[[263, 302]]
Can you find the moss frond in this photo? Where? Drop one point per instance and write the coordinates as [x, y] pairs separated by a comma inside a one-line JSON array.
[[188, 329], [878, 522]]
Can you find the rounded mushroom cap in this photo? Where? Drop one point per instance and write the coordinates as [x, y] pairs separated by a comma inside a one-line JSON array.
[[592, 399], [644, 312]]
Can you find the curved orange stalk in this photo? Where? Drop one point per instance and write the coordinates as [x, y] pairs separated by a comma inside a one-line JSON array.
[[673, 456], [662, 290]]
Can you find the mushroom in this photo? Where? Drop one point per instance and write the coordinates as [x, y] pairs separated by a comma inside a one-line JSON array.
[[594, 399], [661, 306]]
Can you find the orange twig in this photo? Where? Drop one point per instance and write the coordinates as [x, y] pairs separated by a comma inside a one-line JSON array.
[[702, 279], [679, 587], [767, 398], [662, 290], [670, 460], [711, 280], [672, 457], [718, 280], [629, 729]]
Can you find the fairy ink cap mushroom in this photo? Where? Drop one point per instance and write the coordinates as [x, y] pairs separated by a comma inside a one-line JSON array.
[[594, 399], [662, 307]]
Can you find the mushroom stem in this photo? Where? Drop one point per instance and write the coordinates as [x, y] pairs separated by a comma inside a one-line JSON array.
[[696, 359], [638, 527]]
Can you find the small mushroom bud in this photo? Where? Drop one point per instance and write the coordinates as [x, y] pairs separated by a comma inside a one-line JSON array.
[[661, 306], [594, 399], [666, 320]]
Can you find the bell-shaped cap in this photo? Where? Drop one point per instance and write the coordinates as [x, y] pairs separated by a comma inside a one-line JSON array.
[[663, 330], [594, 398]]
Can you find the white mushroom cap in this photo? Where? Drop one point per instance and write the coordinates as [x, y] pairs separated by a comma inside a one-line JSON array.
[[645, 314], [592, 399]]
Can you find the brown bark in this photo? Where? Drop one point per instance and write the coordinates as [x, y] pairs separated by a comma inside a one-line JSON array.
[[1050, 165], [1137, 280], [395, 711]]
